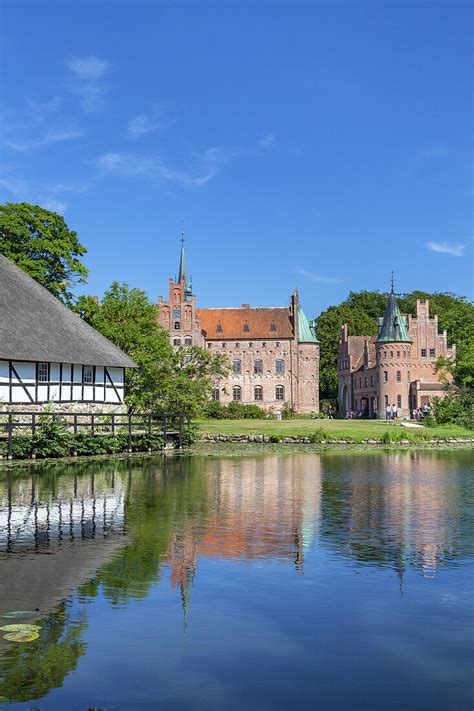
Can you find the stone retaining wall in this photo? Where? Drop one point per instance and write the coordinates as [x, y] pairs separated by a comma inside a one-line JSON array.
[[267, 439]]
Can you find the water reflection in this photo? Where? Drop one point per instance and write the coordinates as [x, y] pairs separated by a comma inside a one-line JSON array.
[[115, 529]]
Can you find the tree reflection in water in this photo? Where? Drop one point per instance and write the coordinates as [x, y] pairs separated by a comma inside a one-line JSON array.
[[115, 528]]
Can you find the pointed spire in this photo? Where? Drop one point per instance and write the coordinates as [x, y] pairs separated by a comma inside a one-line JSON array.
[[188, 289], [394, 328], [182, 260]]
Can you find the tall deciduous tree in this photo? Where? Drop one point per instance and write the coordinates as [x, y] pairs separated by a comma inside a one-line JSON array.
[[165, 380], [40, 242]]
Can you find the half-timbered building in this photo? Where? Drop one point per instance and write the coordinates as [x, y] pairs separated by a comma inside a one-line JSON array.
[[49, 354]]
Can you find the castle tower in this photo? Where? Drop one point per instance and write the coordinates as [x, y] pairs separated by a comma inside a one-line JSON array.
[[178, 314], [393, 349]]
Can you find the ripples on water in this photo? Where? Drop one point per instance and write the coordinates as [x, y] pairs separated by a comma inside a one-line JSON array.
[[289, 581]]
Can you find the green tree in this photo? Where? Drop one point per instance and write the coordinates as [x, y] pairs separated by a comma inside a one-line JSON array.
[[165, 380], [361, 311], [40, 242]]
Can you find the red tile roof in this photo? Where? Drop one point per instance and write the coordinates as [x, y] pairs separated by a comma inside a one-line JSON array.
[[219, 324]]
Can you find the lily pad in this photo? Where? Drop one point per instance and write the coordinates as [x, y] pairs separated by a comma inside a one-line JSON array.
[[15, 614], [20, 628], [25, 636]]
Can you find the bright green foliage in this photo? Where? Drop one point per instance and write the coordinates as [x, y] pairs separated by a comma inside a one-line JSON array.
[[457, 407], [235, 411], [40, 242], [361, 311], [165, 380]]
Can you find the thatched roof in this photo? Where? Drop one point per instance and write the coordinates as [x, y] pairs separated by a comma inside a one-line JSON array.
[[35, 326]]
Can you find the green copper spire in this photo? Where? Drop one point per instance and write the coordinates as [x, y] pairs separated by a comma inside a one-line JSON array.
[[188, 289], [306, 329], [394, 328]]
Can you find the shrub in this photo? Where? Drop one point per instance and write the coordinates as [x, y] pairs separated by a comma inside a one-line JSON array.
[[317, 436], [276, 438], [52, 438], [190, 435], [235, 411]]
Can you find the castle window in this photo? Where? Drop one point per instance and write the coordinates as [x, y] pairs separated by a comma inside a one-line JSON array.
[[188, 341], [87, 374], [386, 400], [237, 345], [236, 394], [398, 354], [209, 345], [371, 380], [391, 354], [279, 367], [258, 367], [385, 354], [273, 327], [43, 372], [423, 352], [176, 341], [176, 313], [177, 325], [277, 344], [279, 392], [264, 345], [366, 382], [216, 394], [223, 345], [258, 392], [404, 354], [399, 401], [246, 328], [360, 382], [385, 376], [237, 366], [399, 376], [432, 353], [219, 328]]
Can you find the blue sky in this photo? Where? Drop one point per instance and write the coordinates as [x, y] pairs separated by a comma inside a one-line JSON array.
[[301, 144]]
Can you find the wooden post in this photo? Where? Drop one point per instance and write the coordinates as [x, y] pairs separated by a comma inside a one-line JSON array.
[[92, 423], [75, 423], [10, 435], [129, 433], [113, 424], [181, 421]]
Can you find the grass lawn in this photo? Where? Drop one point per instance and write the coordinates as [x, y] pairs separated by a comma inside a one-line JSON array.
[[355, 430]]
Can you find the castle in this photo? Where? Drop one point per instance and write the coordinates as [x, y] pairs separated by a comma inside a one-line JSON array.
[[396, 367], [273, 352]]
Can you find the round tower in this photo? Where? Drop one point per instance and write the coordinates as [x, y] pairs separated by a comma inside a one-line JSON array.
[[392, 348]]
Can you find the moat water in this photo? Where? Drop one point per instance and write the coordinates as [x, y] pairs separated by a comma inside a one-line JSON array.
[[252, 581]]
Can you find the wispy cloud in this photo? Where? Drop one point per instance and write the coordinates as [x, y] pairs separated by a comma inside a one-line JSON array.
[[87, 76], [142, 124], [45, 195], [318, 278], [216, 155], [38, 124], [45, 139], [453, 250], [267, 141], [126, 164]]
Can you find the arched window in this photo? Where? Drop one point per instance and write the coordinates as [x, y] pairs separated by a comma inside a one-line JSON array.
[[236, 394], [258, 392], [176, 341], [280, 392], [399, 376], [279, 366], [216, 394], [258, 367], [188, 341], [237, 366], [177, 325]]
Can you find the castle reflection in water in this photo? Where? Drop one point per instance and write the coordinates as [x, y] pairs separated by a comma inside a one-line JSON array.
[[265, 507]]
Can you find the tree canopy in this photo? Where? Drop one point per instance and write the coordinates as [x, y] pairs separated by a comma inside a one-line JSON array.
[[361, 311], [165, 380], [40, 242]]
